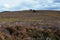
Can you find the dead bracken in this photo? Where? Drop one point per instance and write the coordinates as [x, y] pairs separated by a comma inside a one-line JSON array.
[[29, 32], [30, 25]]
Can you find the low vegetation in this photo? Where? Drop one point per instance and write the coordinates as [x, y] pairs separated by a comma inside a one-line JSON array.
[[29, 31], [30, 25]]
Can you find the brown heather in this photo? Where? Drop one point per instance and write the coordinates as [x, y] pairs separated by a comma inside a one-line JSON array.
[[30, 25]]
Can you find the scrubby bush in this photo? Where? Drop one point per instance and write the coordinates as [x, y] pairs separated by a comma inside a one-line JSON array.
[[30, 32], [34, 11]]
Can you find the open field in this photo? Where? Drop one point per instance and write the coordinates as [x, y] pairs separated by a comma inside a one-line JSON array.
[[30, 25], [30, 16]]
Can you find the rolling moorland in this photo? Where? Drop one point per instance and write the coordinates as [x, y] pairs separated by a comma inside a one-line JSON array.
[[30, 25]]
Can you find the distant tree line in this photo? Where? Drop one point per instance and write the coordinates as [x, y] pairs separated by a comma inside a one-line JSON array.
[[33, 10]]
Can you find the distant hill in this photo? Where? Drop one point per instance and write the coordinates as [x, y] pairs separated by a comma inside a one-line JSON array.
[[29, 15]]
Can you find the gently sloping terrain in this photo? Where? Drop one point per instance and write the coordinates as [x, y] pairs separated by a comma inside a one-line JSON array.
[[30, 25], [31, 15]]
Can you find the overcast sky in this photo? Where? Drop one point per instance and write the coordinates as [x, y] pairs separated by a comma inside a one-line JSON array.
[[15, 5]]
